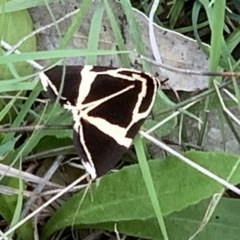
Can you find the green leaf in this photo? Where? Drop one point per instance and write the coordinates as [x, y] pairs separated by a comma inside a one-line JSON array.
[[224, 224], [122, 196], [13, 27]]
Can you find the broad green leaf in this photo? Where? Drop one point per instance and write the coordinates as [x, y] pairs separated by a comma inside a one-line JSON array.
[[122, 196], [224, 224], [13, 27]]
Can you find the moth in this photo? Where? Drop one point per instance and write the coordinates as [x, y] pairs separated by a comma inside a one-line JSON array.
[[108, 105]]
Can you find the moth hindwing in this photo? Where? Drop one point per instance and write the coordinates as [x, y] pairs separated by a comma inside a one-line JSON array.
[[108, 105]]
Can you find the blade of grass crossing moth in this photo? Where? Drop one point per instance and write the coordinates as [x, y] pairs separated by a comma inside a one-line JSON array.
[[140, 152], [117, 33], [149, 184], [140, 50], [94, 33]]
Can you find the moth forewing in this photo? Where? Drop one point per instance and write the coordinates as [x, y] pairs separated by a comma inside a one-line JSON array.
[[108, 105]]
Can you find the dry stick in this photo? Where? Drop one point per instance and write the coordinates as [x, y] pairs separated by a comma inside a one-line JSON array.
[[191, 72], [47, 176], [9, 191], [47, 153], [27, 177]]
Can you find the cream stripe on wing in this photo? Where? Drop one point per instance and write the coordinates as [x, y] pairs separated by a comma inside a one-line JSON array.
[[112, 130]]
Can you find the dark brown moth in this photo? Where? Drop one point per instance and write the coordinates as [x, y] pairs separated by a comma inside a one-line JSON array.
[[108, 105]]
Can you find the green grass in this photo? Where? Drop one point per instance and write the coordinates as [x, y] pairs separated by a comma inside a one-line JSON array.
[[158, 199]]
